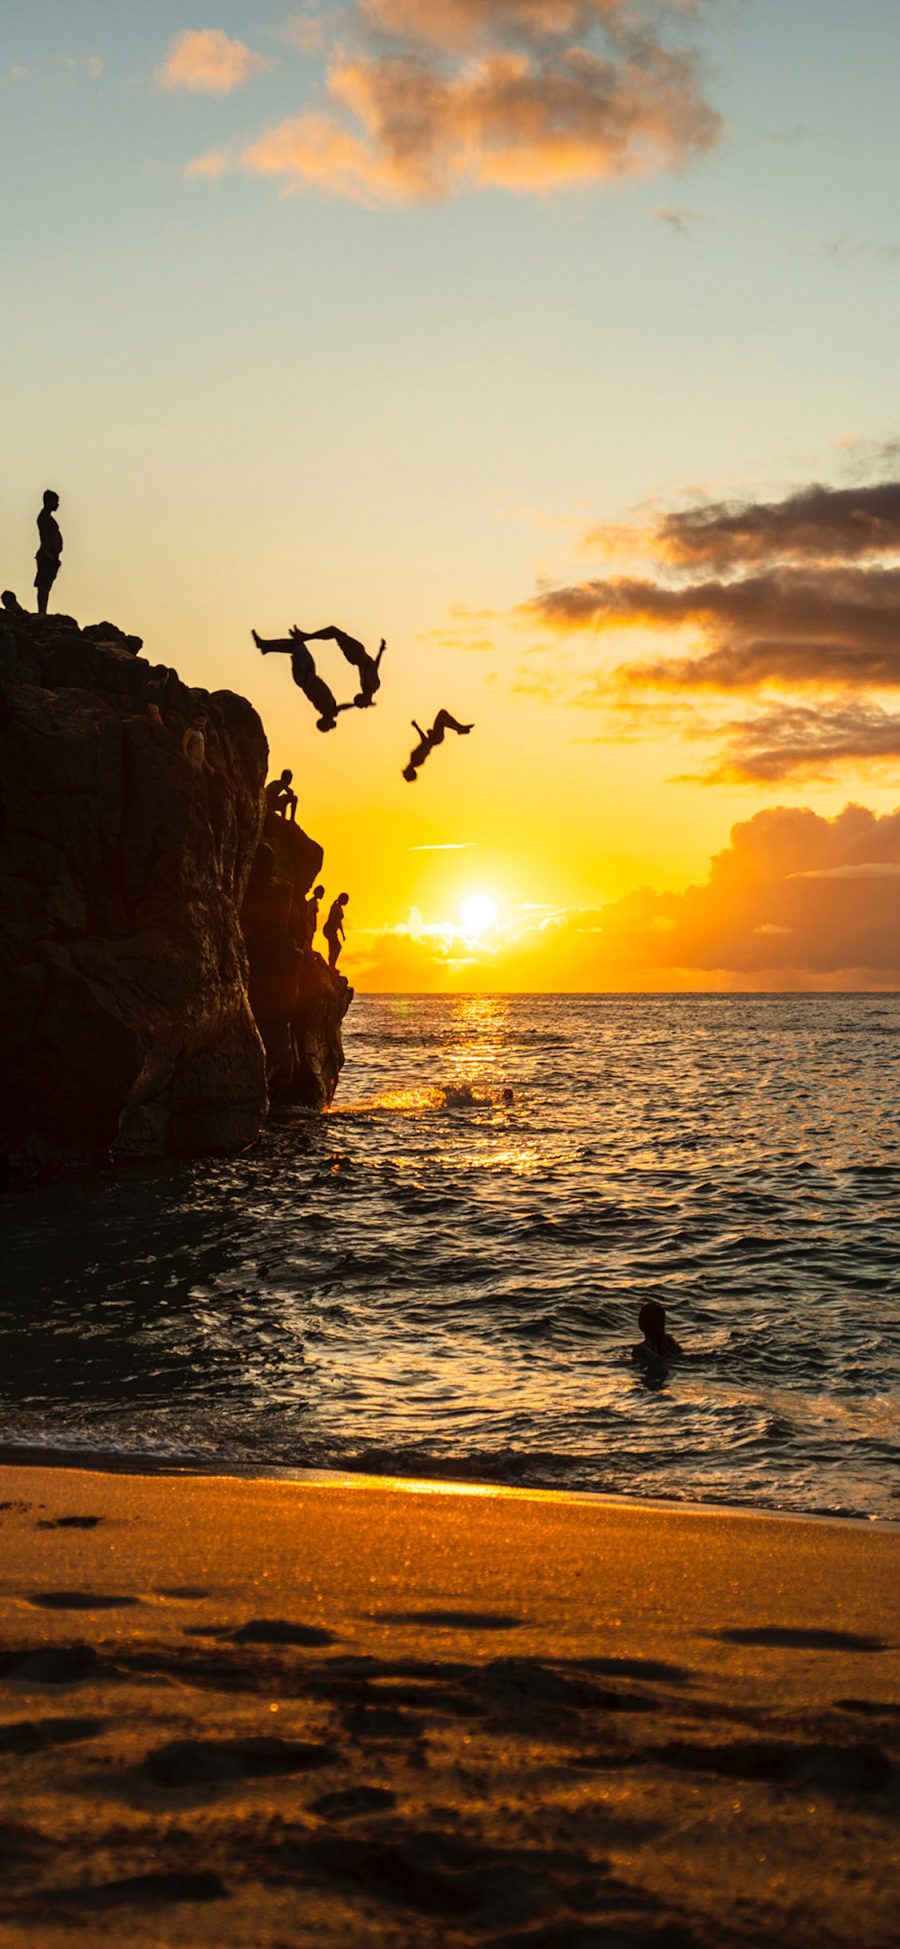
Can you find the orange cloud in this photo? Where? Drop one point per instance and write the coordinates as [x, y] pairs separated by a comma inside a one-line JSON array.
[[210, 167], [794, 901], [817, 627], [799, 741], [208, 62], [455, 95]]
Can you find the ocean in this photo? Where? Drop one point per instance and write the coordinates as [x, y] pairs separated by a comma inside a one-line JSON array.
[[441, 1277]]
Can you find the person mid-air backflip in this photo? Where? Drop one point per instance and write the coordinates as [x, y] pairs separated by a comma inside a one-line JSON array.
[[354, 653], [305, 674], [428, 739]]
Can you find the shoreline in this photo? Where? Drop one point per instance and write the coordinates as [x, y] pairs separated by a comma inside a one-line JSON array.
[[131, 1463], [336, 1711]]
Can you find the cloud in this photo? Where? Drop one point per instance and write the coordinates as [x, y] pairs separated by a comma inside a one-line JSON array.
[[821, 627], [306, 32], [819, 524], [797, 741], [209, 168], [207, 62], [523, 96], [793, 901]]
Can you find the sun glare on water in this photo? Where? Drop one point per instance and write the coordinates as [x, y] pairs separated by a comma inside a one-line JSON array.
[[477, 913]]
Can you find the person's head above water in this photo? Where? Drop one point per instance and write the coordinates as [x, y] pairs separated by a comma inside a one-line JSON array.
[[652, 1322]]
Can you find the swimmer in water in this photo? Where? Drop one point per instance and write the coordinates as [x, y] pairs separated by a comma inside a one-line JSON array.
[[657, 1347]]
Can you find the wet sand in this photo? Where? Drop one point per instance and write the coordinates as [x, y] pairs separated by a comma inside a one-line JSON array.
[[264, 1713]]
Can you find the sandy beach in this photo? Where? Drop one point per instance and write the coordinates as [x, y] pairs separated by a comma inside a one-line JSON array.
[[260, 1712]]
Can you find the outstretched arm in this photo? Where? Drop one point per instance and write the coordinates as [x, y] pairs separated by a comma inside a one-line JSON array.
[[381, 650]]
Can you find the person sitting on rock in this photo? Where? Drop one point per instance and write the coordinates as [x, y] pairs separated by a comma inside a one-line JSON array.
[[280, 799], [333, 929], [12, 604], [428, 739], [354, 653], [50, 548], [305, 675], [193, 744], [311, 917]]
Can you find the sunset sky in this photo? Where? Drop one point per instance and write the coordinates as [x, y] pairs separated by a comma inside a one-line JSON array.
[[557, 342]]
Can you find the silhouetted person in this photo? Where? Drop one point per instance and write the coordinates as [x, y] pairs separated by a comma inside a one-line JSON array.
[[305, 675], [153, 696], [193, 744], [428, 739], [355, 653], [311, 916], [657, 1347], [333, 929], [11, 603], [50, 548], [280, 798]]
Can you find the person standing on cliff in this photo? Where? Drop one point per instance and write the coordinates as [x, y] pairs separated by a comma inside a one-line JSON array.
[[311, 917], [50, 548], [333, 929]]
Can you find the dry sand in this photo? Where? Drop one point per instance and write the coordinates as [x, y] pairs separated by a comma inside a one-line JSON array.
[[349, 1712]]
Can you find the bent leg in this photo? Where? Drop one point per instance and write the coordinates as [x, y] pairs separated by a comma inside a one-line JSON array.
[[444, 722], [348, 645]]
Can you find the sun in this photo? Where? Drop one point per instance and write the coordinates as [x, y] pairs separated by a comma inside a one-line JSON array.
[[477, 913]]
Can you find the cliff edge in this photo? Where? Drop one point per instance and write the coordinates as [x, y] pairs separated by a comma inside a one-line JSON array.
[[125, 984]]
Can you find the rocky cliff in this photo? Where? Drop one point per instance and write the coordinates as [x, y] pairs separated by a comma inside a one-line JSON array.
[[131, 1018]]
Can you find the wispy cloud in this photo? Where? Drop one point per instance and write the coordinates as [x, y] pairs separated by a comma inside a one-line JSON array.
[[678, 217], [206, 61]]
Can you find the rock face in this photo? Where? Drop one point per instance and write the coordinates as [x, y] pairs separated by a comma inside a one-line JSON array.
[[298, 1002], [125, 1019]]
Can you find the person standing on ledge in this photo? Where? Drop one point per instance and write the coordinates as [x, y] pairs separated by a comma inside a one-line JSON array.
[[333, 929], [311, 917], [280, 799], [49, 550]]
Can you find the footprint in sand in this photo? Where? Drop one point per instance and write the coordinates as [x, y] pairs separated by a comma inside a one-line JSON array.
[[215, 1762], [265, 1630], [69, 1522], [26, 1736], [79, 1600], [53, 1664]]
